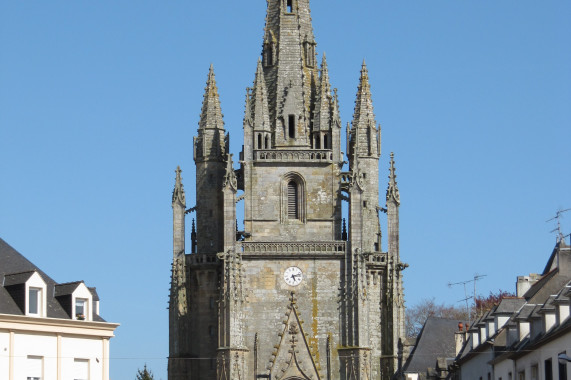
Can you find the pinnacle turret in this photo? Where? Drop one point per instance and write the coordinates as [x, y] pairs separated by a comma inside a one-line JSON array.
[[211, 115], [393, 190], [211, 144], [259, 102], [325, 102], [178, 194], [365, 137], [364, 115]]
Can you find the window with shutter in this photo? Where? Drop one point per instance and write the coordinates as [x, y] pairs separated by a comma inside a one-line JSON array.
[[34, 367], [81, 369], [292, 201]]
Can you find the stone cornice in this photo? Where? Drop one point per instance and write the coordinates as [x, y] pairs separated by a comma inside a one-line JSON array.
[[56, 326]]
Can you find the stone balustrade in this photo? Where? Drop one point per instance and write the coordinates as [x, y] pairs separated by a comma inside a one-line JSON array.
[[329, 248], [325, 156]]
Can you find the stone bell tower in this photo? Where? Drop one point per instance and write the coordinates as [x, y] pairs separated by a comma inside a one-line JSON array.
[[298, 294]]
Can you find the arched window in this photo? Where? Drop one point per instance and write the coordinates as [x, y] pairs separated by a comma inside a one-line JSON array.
[[259, 141], [267, 142], [326, 142], [292, 200]]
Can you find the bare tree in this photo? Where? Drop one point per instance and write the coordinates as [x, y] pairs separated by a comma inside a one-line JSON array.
[[417, 315]]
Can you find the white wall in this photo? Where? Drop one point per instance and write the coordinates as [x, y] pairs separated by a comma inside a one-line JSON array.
[[538, 356], [35, 345], [82, 348], [58, 342], [4, 354]]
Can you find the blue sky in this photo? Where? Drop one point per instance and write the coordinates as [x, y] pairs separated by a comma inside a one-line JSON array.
[[99, 102]]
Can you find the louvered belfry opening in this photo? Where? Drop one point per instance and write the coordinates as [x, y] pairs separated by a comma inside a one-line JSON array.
[[292, 200]]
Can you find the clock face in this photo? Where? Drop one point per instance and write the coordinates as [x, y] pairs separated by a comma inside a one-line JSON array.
[[293, 276]]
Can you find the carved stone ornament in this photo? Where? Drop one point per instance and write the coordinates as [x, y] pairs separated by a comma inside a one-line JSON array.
[[292, 357], [230, 176]]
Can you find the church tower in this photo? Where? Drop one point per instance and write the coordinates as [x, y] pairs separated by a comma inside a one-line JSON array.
[[297, 294]]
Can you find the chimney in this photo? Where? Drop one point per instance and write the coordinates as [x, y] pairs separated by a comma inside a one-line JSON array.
[[524, 283], [460, 336]]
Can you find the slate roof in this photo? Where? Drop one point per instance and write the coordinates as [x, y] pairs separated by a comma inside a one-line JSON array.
[[16, 269], [436, 340]]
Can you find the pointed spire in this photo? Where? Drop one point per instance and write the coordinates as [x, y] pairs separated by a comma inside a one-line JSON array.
[[325, 103], [178, 192], [393, 190], [211, 116], [364, 115], [260, 113]]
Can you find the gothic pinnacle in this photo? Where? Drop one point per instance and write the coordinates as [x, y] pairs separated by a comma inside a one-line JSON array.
[[260, 111], [211, 115], [364, 115], [393, 190], [178, 192]]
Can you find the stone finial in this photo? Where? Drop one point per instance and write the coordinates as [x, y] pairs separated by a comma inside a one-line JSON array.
[[211, 115], [393, 190], [178, 192]]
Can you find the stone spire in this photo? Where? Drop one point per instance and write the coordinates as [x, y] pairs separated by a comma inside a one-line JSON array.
[[393, 194], [259, 102], [290, 70], [364, 133], [325, 102], [210, 145], [211, 115]]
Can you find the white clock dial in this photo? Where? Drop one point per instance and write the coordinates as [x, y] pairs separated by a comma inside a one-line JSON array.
[[293, 276]]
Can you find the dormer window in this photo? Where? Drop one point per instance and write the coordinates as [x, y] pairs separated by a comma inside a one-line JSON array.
[[28, 290], [34, 301], [81, 308]]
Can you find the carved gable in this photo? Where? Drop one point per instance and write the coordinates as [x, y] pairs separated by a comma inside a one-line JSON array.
[[293, 358]]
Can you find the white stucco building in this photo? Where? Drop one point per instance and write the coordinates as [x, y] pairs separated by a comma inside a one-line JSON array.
[[524, 342], [49, 331]]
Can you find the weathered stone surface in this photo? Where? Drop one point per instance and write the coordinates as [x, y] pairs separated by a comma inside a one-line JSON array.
[[233, 315]]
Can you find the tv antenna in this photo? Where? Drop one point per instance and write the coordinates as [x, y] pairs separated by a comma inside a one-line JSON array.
[[558, 216], [466, 297]]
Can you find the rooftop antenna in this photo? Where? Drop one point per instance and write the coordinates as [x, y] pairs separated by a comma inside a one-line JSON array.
[[558, 216], [466, 297]]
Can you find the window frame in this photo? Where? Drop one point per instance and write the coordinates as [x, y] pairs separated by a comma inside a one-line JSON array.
[[38, 301], [85, 306], [298, 180]]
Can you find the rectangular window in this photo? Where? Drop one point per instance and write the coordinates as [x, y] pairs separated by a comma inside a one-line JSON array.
[[548, 370], [80, 308], [521, 375], [34, 301], [534, 372], [292, 201], [80, 369], [34, 367], [562, 369], [289, 6], [291, 126]]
